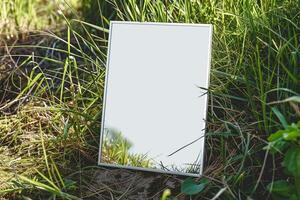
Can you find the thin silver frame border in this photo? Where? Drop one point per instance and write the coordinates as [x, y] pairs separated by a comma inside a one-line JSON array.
[[105, 92]]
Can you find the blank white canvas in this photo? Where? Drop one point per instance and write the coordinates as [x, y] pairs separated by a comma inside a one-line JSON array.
[[153, 95]]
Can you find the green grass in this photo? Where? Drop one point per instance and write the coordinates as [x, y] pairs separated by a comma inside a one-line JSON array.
[[50, 102], [116, 150], [19, 17]]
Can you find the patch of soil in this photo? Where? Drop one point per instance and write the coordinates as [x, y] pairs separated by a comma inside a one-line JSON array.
[[105, 183]]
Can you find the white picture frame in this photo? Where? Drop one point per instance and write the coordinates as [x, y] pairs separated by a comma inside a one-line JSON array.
[[185, 53]]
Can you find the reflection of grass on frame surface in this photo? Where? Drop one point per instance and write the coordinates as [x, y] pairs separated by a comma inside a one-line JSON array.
[[115, 150]]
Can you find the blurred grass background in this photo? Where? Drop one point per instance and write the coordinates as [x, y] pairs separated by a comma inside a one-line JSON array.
[[19, 17], [52, 80]]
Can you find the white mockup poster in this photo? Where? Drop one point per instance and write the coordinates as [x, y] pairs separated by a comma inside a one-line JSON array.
[[155, 98]]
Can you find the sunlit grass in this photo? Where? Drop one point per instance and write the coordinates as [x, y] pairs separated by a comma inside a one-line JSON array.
[[18, 17], [116, 150]]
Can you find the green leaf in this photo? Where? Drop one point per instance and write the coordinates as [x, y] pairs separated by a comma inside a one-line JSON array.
[[278, 146], [280, 117], [291, 132], [276, 136], [281, 187], [190, 187], [70, 184], [293, 135], [292, 160], [66, 129]]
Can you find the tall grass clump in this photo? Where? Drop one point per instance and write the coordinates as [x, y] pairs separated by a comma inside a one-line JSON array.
[[50, 114], [116, 150], [17, 17], [50, 111], [51, 100]]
